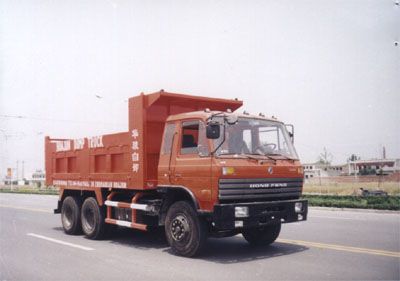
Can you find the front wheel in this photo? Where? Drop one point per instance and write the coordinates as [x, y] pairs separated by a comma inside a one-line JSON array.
[[264, 235], [92, 217], [185, 231]]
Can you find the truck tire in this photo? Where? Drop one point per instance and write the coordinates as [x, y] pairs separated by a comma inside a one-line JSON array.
[[70, 215], [264, 235], [92, 217], [185, 231]]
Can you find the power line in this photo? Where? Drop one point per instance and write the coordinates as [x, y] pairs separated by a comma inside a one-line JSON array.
[[54, 120]]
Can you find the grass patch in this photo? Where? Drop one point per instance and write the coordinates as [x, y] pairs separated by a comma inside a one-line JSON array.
[[337, 188], [30, 191], [370, 202]]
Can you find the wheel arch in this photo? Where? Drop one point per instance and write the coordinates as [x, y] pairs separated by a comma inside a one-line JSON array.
[[82, 194], [172, 194]]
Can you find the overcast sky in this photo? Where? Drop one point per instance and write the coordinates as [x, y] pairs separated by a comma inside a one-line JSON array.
[[331, 68]]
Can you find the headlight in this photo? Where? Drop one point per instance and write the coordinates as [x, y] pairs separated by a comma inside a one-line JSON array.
[[241, 212], [298, 207]]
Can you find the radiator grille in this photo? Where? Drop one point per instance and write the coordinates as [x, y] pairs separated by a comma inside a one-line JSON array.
[[263, 189]]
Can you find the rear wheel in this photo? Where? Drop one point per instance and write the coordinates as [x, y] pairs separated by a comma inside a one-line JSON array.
[[92, 217], [185, 230], [70, 215], [264, 235]]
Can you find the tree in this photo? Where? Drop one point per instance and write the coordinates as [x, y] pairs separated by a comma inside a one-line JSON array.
[[325, 157], [353, 158]]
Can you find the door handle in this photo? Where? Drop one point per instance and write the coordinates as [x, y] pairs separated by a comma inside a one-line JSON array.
[[178, 175]]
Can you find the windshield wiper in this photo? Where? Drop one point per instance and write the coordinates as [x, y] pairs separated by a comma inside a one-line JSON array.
[[237, 155], [251, 157], [278, 154], [247, 155], [231, 154], [269, 157]]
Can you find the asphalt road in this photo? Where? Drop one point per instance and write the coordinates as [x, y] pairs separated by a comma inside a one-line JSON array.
[[331, 245]]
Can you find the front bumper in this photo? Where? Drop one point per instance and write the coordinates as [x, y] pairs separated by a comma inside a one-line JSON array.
[[259, 214]]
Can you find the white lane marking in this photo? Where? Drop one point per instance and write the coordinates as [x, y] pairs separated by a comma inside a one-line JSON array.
[[26, 208], [336, 218], [60, 242]]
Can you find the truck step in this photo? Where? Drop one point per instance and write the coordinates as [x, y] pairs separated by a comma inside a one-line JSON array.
[[143, 207], [127, 224], [134, 206]]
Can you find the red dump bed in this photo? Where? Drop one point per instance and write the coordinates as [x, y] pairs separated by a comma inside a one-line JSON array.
[[123, 160]]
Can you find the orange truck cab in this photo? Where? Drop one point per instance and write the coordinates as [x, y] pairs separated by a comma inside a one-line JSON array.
[[190, 164]]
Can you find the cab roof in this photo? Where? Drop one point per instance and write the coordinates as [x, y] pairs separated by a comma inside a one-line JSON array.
[[205, 114]]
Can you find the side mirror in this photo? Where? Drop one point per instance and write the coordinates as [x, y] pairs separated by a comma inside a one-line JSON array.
[[213, 131], [290, 129]]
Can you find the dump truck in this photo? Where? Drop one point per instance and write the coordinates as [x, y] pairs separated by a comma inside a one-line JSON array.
[[191, 165]]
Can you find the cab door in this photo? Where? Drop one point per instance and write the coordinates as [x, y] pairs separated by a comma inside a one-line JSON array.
[[192, 166], [168, 152]]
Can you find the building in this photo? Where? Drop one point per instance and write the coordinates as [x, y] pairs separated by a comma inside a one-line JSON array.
[[314, 170], [373, 166], [38, 178]]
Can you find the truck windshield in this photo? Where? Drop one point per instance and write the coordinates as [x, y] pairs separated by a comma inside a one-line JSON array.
[[255, 137]]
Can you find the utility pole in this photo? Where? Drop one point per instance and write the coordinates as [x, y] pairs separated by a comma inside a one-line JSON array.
[[11, 180], [355, 172], [17, 171], [320, 184]]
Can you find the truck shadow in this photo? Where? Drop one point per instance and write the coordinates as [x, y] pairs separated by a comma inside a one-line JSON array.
[[225, 250], [237, 250], [138, 239]]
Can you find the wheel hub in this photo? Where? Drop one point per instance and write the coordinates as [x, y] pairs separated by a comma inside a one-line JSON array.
[[179, 228]]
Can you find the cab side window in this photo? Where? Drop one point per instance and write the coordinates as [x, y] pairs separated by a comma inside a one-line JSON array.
[[190, 137], [193, 139]]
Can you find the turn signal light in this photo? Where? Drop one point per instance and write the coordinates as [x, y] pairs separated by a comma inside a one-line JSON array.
[[300, 170], [228, 171]]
